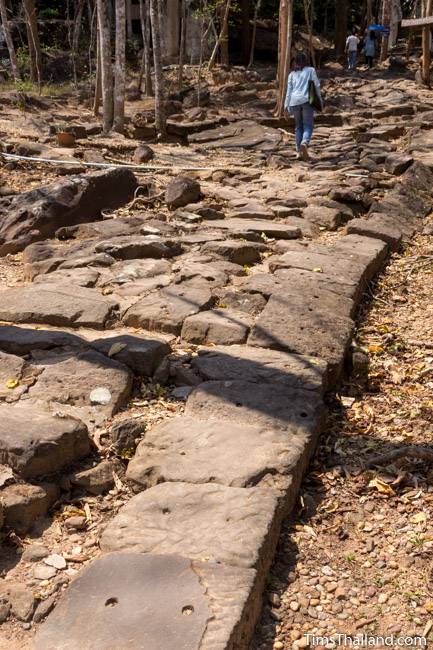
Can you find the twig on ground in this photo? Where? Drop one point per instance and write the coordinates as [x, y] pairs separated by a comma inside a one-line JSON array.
[[412, 451]]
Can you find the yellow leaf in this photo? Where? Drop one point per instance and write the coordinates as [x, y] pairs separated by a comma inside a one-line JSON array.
[[115, 348], [419, 518], [318, 269], [375, 349], [381, 486], [12, 383]]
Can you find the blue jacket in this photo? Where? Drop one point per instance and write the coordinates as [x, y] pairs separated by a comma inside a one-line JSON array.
[[297, 87]]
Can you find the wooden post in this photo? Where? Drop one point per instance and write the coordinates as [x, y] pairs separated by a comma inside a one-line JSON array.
[[426, 56]]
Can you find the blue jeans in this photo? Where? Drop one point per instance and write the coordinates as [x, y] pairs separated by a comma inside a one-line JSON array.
[[304, 124], [352, 59]]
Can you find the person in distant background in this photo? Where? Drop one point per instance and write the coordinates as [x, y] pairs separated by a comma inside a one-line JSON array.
[[298, 103], [352, 44], [370, 48]]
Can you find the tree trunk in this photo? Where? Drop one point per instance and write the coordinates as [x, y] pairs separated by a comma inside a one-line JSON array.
[[129, 30], [284, 51], [182, 43], [76, 37], [160, 119], [33, 39], [426, 55], [98, 83], [106, 65], [253, 35], [308, 12], [340, 27], [385, 21], [9, 41], [222, 39], [119, 67], [145, 71], [246, 31]]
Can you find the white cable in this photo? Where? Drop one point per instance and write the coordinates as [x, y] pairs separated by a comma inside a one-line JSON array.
[[13, 156]]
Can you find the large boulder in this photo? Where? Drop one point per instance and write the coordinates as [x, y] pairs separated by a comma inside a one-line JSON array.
[[181, 191], [37, 214]]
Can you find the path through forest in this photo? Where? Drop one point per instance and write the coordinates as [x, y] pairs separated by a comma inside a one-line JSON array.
[[171, 342]]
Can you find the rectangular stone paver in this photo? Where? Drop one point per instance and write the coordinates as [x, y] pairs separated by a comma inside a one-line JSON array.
[[259, 365], [56, 305], [34, 442], [297, 327], [268, 405], [211, 451], [227, 525], [154, 602]]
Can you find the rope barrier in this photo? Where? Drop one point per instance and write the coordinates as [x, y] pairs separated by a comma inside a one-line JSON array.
[[13, 156]]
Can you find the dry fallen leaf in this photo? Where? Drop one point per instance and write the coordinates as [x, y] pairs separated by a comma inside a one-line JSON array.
[[12, 383], [419, 518], [381, 486]]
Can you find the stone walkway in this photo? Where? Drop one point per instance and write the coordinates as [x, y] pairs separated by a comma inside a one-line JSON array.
[[240, 289]]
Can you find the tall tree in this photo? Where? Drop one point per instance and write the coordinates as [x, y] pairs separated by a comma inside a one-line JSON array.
[[340, 27], [183, 11], [145, 71], [386, 22], [246, 30], [106, 64], [119, 67], [155, 21], [426, 42], [33, 40], [222, 41], [309, 16], [285, 33], [76, 36], [129, 29], [9, 41], [254, 32]]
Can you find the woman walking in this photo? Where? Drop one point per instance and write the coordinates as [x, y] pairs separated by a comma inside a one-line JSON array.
[[370, 48], [298, 100]]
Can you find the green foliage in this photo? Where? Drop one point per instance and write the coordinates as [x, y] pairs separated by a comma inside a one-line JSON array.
[[48, 12]]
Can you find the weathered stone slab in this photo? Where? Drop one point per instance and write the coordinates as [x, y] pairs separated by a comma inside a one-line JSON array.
[[166, 310], [21, 340], [219, 326], [240, 362], [269, 228], [56, 305], [231, 526], [197, 451], [265, 405], [379, 227], [249, 210], [140, 353], [164, 602], [90, 371], [244, 134], [302, 327], [133, 270], [285, 283], [134, 247], [37, 214], [34, 442], [181, 191], [237, 252], [330, 218], [103, 229], [82, 277], [23, 503]]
